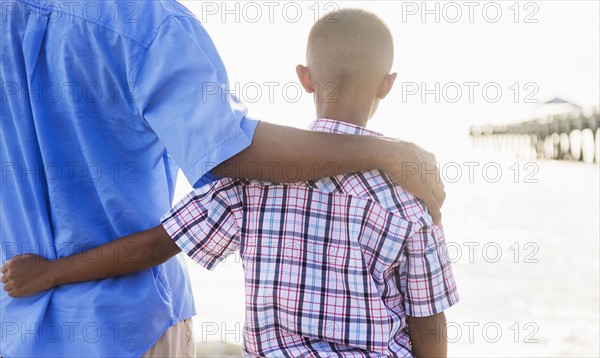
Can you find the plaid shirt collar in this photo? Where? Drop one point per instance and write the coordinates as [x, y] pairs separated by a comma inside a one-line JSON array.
[[335, 126]]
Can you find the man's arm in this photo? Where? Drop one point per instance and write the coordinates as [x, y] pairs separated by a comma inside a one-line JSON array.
[[26, 275], [284, 154], [428, 335]]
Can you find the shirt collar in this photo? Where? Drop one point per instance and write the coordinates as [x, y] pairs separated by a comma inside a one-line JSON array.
[[334, 126]]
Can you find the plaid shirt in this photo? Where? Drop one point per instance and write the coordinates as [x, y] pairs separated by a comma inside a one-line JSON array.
[[332, 267]]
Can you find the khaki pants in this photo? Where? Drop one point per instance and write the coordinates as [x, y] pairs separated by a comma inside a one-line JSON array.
[[177, 342]]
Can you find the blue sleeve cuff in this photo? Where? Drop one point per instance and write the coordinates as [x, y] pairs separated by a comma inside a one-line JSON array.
[[206, 179], [240, 140]]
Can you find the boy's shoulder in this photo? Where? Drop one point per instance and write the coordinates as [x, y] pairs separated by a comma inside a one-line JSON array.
[[379, 187], [373, 185]]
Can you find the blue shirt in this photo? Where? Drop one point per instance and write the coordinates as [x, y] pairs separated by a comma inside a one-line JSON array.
[[102, 102]]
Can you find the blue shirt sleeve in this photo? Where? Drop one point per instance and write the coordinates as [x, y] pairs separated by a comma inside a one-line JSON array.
[[181, 92]]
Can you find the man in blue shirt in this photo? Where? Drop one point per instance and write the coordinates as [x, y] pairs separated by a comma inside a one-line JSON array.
[[98, 113]]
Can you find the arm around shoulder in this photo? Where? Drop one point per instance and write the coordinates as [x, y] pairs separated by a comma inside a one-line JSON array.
[[275, 148]]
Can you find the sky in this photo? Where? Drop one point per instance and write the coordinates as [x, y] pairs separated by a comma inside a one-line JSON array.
[[458, 63]]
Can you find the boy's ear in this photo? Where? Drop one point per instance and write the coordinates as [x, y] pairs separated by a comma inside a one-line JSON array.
[[386, 85], [305, 78]]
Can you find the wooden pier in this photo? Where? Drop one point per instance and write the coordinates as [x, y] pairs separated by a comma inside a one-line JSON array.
[[567, 136]]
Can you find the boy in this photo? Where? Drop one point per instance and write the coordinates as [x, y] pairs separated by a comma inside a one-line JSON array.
[[336, 267]]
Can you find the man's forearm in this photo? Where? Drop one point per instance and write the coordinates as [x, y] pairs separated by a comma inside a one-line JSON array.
[[284, 154], [126, 255]]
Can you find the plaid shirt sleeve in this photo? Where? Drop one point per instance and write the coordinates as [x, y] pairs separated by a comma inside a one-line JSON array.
[[430, 286], [203, 224]]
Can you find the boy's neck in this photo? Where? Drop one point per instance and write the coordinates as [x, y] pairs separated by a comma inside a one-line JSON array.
[[351, 112]]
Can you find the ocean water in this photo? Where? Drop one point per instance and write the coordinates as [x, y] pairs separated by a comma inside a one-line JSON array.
[[524, 241]]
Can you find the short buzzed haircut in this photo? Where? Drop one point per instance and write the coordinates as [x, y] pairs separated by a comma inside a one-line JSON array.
[[350, 48]]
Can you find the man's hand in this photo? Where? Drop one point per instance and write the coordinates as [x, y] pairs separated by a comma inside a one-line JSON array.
[[415, 169], [25, 275]]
